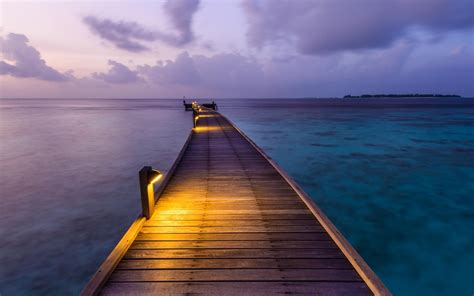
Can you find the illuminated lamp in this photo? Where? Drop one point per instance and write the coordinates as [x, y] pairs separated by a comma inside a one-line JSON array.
[[148, 176]]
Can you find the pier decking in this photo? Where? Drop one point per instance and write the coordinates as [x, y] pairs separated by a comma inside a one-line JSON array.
[[229, 221]]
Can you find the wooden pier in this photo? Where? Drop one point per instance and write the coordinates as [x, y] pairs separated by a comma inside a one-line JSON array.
[[229, 221]]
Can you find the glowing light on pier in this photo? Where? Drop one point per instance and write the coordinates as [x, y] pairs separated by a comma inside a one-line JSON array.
[[156, 179], [148, 176]]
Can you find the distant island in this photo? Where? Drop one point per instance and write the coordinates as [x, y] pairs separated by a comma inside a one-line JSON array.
[[401, 96]]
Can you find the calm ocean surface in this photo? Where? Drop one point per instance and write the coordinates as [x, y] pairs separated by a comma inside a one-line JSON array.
[[395, 176]]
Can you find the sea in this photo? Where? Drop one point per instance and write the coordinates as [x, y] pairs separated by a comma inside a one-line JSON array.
[[396, 177]]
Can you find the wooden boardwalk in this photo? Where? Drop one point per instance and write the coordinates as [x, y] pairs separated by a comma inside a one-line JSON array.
[[229, 221]]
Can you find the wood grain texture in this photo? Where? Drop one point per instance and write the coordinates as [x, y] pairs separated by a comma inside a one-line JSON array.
[[237, 263], [229, 222], [235, 275], [237, 288]]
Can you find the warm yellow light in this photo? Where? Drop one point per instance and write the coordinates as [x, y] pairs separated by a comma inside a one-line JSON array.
[[156, 179], [208, 129]]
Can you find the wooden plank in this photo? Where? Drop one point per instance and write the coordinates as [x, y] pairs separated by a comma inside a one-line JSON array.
[[230, 207], [230, 211], [228, 229], [229, 216], [305, 236], [236, 275], [233, 253], [237, 289], [236, 263], [137, 245], [227, 223], [221, 199]]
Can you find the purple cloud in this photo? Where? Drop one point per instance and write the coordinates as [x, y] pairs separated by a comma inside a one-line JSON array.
[[394, 69], [321, 26], [180, 13], [232, 72], [180, 71], [130, 36], [402, 68], [118, 74], [26, 60], [124, 35]]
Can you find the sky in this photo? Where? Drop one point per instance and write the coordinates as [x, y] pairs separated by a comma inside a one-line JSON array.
[[235, 48]]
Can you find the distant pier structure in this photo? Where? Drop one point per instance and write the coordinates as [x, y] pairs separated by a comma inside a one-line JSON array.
[[189, 106]]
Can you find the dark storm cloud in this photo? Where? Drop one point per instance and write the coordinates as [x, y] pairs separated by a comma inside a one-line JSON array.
[[118, 74], [130, 36], [326, 26], [26, 60]]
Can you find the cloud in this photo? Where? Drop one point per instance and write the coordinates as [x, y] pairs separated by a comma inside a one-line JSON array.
[[26, 60], [233, 73], [180, 13], [396, 69], [130, 36], [399, 68], [327, 26], [180, 71], [118, 74], [227, 71], [402, 68], [451, 72], [124, 35]]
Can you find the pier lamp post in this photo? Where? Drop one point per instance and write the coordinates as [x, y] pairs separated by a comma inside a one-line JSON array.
[[148, 176], [195, 117]]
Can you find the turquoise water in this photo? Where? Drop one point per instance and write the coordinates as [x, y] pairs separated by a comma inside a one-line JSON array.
[[395, 176], [397, 181]]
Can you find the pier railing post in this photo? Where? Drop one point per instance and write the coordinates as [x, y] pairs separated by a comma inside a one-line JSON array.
[[148, 176]]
